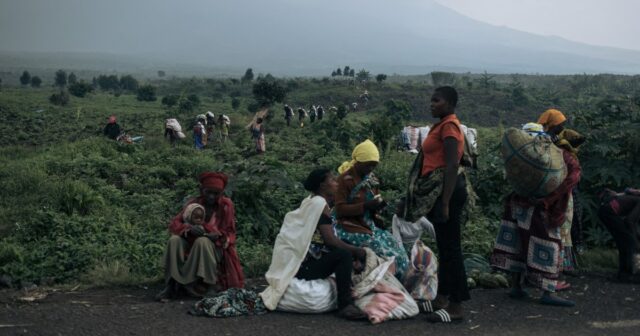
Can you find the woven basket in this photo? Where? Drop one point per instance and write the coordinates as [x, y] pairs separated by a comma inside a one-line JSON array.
[[534, 165]]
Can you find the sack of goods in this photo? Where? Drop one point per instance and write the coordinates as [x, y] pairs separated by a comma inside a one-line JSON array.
[[534, 165]]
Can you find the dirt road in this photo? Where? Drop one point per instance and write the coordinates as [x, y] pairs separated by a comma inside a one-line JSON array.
[[603, 308]]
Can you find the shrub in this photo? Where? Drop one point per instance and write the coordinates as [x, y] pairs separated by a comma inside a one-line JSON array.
[[60, 99], [146, 93], [36, 81], [80, 89]]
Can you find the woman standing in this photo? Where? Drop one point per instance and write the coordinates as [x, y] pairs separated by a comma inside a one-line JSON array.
[[438, 191], [358, 202], [257, 134], [201, 257], [532, 231]]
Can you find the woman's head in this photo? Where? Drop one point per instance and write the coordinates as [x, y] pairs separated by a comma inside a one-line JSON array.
[[212, 186], [193, 214], [259, 121], [365, 158], [321, 182], [553, 121], [444, 101]]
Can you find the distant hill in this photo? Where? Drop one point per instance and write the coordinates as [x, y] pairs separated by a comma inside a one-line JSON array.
[[288, 37]]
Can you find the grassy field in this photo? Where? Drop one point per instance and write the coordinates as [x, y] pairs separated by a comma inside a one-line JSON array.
[[76, 206]]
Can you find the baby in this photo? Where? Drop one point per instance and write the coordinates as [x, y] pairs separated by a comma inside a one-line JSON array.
[[407, 233]]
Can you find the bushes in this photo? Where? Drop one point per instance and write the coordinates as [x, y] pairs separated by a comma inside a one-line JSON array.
[[146, 93], [80, 89], [60, 99]]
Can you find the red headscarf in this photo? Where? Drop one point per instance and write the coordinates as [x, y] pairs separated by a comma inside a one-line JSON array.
[[213, 180], [112, 119]]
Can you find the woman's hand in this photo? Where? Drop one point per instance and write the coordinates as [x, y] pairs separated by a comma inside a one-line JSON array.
[[197, 230], [213, 235]]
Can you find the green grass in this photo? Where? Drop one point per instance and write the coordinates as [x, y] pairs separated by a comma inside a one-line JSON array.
[[75, 206]]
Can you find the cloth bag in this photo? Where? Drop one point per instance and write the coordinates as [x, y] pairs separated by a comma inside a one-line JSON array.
[[309, 296], [421, 279]]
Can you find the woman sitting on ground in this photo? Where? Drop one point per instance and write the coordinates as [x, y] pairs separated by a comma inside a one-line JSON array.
[[201, 253], [307, 248], [358, 202]]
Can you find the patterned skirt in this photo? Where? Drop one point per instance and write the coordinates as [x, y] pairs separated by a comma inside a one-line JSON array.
[[525, 245], [382, 243]]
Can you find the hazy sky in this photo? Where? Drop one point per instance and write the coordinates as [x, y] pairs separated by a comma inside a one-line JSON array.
[[612, 23]]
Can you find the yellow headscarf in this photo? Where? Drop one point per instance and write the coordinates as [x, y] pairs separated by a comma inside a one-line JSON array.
[[364, 152], [551, 118]]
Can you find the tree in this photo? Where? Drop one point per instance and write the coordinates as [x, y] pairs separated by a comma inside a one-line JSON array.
[[346, 71], [363, 75], [170, 100], [440, 78], [146, 93], [267, 92], [61, 79], [72, 79], [333, 73], [248, 76], [386, 125], [338, 72], [110, 82], [161, 73], [235, 103], [352, 73], [381, 78], [80, 89], [36, 81], [486, 80], [25, 79], [128, 83]]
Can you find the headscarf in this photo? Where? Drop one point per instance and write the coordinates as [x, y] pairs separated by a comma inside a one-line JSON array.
[[213, 180], [364, 152], [112, 119], [533, 128], [188, 211], [551, 118]]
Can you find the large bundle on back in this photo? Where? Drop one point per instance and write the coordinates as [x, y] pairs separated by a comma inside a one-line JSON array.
[[534, 165]]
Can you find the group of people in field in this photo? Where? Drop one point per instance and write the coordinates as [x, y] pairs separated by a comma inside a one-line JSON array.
[[337, 235]]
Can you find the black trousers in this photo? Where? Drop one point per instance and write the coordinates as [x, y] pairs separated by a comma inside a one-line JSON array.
[[623, 235], [336, 261], [452, 278]]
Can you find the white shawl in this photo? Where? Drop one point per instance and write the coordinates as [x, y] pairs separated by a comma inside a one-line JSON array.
[[291, 247]]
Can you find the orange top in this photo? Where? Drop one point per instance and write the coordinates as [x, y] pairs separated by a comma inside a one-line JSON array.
[[433, 145]]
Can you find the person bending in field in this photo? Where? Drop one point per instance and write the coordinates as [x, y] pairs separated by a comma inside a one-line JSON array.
[[201, 253], [620, 214]]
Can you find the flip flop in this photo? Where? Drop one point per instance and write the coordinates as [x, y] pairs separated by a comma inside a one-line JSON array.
[[562, 285], [443, 316], [425, 306]]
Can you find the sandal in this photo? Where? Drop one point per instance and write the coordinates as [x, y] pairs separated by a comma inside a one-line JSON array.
[[441, 315], [425, 306], [562, 285]]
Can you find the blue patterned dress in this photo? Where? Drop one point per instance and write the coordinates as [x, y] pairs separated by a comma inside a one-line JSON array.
[[380, 241]]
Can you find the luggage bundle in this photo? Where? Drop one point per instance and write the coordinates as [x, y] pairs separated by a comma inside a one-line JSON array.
[[534, 165]]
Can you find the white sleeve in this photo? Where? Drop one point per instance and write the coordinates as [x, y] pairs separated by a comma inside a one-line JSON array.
[[395, 230], [426, 225]]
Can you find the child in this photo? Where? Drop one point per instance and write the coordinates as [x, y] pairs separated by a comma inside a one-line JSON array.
[[407, 233]]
